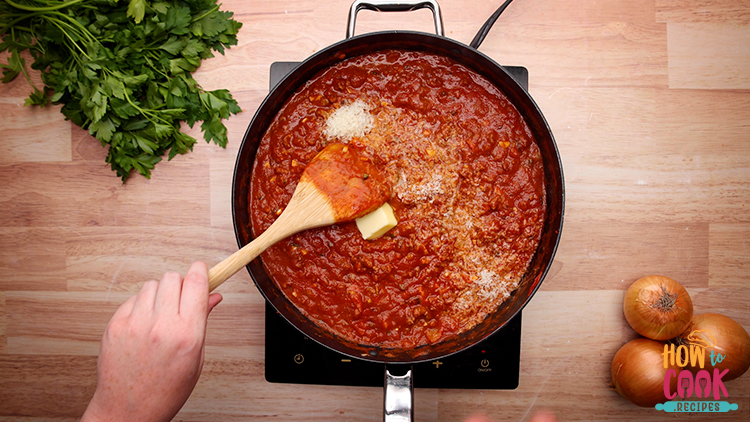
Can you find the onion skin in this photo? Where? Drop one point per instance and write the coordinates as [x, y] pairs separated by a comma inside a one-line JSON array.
[[638, 372], [732, 342], [658, 307]]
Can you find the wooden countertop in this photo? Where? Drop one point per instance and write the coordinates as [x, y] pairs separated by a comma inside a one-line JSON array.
[[649, 102]]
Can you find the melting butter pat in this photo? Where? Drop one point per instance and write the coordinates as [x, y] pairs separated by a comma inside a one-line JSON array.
[[377, 223]]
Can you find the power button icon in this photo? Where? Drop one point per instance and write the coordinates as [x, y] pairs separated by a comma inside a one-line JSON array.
[[485, 363], [298, 358]]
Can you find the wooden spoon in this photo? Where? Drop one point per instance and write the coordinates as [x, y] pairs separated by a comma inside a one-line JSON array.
[[337, 186]]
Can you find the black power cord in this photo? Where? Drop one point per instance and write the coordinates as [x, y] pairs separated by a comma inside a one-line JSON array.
[[485, 29]]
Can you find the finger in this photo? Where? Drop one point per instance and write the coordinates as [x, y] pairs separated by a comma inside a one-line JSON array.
[[544, 416], [126, 308], [194, 298], [168, 294], [213, 300], [144, 302], [478, 418]]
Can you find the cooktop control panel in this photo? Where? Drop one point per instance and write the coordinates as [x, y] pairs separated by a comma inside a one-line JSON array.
[[293, 358]]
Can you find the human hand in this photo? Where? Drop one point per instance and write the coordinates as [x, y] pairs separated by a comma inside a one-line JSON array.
[[152, 350]]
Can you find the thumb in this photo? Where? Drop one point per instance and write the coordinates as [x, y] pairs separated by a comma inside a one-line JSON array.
[[213, 300]]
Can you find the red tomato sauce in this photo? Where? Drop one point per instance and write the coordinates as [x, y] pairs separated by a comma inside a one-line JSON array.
[[468, 193]]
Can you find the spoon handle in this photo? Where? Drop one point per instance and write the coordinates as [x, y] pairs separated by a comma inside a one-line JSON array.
[[307, 209], [236, 261]]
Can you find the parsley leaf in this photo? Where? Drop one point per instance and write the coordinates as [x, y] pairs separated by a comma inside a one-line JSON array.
[[136, 10]]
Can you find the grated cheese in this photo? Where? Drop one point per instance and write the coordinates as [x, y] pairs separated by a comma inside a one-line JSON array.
[[348, 121], [488, 286], [420, 192]]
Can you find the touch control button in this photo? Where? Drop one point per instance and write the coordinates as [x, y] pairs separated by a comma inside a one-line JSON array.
[[298, 358], [485, 363]]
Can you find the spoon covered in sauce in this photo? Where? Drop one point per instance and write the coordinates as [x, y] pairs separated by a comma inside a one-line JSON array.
[[338, 185]]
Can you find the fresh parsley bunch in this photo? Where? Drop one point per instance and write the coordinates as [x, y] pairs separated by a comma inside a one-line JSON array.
[[123, 70]]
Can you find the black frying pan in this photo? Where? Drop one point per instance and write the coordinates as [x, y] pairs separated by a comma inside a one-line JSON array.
[[469, 57]]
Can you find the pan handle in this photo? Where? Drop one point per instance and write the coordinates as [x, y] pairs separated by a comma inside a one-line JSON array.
[[399, 397], [394, 6]]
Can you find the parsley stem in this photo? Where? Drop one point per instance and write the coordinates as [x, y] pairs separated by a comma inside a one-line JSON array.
[[151, 64], [81, 29], [28, 78], [12, 23], [58, 23], [23, 28], [150, 114], [42, 9], [215, 8], [35, 46]]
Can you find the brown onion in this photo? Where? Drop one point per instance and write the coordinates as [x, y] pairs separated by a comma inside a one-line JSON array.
[[657, 307], [638, 372], [724, 336]]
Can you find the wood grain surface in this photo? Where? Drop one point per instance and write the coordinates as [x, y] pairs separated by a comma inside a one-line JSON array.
[[649, 101]]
